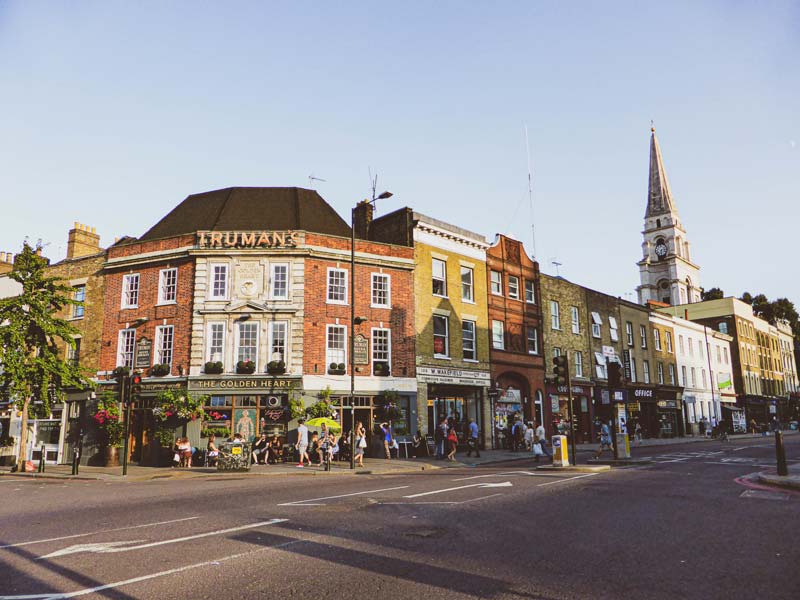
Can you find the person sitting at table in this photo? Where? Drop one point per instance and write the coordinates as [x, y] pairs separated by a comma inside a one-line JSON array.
[[275, 453], [419, 446], [212, 451], [333, 445], [260, 449], [314, 449]]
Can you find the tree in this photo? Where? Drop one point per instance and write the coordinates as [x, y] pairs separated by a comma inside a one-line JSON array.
[[34, 370], [713, 294]]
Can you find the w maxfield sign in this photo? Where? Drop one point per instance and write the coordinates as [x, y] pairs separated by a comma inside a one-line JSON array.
[[247, 239]]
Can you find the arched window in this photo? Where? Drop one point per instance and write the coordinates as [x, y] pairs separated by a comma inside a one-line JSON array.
[[658, 222]]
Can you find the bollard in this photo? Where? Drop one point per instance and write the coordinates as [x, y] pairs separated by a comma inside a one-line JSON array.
[[41, 460], [780, 454], [75, 460]]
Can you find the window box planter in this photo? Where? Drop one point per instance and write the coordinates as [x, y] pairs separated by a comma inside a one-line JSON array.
[[276, 367], [245, 367], [336, 369], [213, 368], [160, 370]]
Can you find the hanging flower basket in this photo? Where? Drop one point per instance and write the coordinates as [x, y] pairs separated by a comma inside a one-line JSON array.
[[245, 367], [276, 367], [160, 370], [214, 368]]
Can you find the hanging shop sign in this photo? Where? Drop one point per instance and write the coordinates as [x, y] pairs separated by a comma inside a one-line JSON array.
[[360, 350], [144, 354], [247, 239]]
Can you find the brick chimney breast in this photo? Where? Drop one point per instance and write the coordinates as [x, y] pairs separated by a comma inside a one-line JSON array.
[[362, 216], [82, 241]]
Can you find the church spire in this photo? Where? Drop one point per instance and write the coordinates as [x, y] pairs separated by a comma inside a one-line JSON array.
[[659, 194]]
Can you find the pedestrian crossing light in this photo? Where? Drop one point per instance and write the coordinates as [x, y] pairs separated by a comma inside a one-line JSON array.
[[136, 387], [561, 370]]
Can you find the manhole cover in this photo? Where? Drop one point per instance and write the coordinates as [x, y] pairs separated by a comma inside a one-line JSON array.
[[764, 495]]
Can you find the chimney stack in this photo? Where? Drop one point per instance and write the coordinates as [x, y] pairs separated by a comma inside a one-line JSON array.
[[6, 262], [82, 241], [362, 217]]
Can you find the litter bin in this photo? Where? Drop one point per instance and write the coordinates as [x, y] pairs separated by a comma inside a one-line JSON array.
[[623, 446], [560, 451]]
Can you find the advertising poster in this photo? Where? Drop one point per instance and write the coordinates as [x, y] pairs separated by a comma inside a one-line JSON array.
[[244, 423]]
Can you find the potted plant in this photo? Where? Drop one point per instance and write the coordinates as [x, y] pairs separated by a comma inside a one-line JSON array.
[[160, 370], [245, 367], [381, 369], [276, 367], [108, 417], [214, 368], [336, 369]]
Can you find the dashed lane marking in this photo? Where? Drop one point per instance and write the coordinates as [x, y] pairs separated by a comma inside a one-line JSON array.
[[566, 480], [308, 502]]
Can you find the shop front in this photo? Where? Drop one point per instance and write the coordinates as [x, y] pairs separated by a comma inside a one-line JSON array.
[[460, 395], [760, 409], [582, 411], [641, 407], [733, 416], [669, 410]]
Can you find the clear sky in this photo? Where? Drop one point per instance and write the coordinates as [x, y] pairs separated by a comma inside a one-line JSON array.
[[113, 112]]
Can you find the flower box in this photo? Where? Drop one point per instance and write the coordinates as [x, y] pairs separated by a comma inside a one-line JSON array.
[[276, 367], [380, 369], [160, 370], [245, 367], [336, 369], [214, 368]]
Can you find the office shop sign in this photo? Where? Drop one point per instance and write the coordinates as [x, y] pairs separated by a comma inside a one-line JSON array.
[[248, 239]]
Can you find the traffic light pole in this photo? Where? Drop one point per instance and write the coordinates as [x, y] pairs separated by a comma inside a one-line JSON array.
[[571, 420], [126, 389], [613, 412]]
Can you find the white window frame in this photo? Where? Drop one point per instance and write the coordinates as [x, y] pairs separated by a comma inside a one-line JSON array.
[[271, 330], [597, 324], [629, 332], [238, 347], [328, 348], [498, 335], [535, 339], [530, 291], [700, 352], [468, 287], [78, 312], [125, 357], [329, 288], [633, 370], [646, 371], [683, 374], [273, 278], [555, 315], [576, 320], [446, 336], [439, 277], [694, 377], [471, 327], [513, 287], [128, 293], [164, 286], [577, 359], [212, 280], [600, 366], [671, 369], [388, 290], [669, 341], [657, 338], [496, 283], [374, 351], [210, 341], [660, 371], [163, 333], [643, 335]]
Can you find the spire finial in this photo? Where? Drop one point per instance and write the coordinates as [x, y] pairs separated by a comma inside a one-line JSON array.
[[652, 127]]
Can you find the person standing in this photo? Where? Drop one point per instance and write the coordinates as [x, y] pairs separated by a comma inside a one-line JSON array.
[[360, 443], [302, 443], [452, 439], [702, 426], [540, 437], [472, 441], [387, 439], [443, 429], [605, 440]]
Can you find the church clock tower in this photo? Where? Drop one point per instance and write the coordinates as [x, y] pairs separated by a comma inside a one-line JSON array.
[[666, 270]]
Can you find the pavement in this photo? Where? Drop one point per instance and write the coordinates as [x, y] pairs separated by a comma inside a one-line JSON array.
[[675, 528], [378, 466]]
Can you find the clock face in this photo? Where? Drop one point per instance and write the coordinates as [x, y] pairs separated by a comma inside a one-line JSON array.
[[661, 250]]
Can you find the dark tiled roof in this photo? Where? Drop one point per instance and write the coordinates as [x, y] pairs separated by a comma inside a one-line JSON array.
[[249, 209]]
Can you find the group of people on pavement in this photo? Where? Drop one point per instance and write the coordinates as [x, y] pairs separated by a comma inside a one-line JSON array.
[[321, 445], [446, 438]]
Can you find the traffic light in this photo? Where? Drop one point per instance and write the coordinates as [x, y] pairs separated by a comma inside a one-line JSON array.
[[614, 374], [135, 387], [561, 370]]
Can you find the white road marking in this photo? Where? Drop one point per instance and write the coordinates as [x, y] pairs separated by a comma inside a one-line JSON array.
[[116, 584], [304, 502], [461, 487], [445, 501], [568, 479], [504, 474], [737, 464], [77, 535], [97, 547], [105, 549]]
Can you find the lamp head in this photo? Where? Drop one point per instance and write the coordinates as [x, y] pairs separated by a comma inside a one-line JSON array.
[[384, 196]]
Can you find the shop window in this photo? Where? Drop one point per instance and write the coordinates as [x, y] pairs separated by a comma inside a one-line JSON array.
[[381, 291], [439, 277], [79, 295], [401, 426], [130, 291], [441, 344], [167, 286], [468, 340], [337, 286]]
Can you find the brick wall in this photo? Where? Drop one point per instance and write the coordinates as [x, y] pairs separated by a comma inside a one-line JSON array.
[[178, 314], [567, 295]]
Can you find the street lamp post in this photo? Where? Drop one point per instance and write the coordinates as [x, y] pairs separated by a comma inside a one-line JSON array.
[[382, 196]]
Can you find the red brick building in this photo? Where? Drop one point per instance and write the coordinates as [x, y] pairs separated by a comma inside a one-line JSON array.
[[516, 354]]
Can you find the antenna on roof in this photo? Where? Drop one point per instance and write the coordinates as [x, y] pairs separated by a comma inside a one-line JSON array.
[[556, 264], [312, 179], [530, 194]]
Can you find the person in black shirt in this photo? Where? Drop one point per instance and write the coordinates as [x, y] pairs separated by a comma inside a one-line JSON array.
[[260, 449]]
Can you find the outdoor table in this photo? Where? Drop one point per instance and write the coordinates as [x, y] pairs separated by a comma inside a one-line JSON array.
[[404, 444]]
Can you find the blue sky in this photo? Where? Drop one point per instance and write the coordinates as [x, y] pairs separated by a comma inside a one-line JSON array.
[[113, 112]]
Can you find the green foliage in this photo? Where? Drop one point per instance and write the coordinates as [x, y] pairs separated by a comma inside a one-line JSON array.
[[319, 409], [214, 368], [160, 370], [220, 432], [34, 364], [245, 367], [178, 405], [164, 435], [297, 408], [110, 421], [713, 294]]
